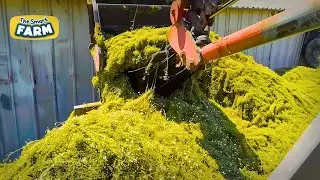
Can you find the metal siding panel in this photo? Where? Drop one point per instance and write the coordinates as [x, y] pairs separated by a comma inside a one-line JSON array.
[[258, 52], [269, 50], [289, 51], [297, 51], [216, 25], [263, 52], [253, 18], [283, 54], [84, 63], [267, 4], [63, 60], [234, 20], [273, 54], [44, 84], [297, 47], [245, 22], [277, 54], [240, 12], [227, 23], [22, 73], [258, 17], [222, 30], [249, 19], [296, 54]]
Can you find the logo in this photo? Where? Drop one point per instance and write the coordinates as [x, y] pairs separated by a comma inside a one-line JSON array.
[[34, 27]]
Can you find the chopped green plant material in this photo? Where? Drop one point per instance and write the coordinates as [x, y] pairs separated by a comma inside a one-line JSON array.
[[282, 71], [221, 138], [235, 119], [271, 111], [123, 139], [260, 95], [133, 49], [129, 50]]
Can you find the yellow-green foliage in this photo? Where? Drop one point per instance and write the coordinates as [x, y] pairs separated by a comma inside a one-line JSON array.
[[258, 94], [270, 110], [133, 49], [129, 50], [236, 120], [2, 169], [221, 138], [130, 141], [306, 80], [98, 36]]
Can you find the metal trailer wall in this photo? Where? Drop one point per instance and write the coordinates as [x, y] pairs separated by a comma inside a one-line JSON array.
[[279, 54], [41, 81]]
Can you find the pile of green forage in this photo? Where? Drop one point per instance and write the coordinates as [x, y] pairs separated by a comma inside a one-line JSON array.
[[236, 119]]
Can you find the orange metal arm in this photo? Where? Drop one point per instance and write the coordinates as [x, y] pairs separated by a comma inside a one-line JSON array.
[[304, 18]]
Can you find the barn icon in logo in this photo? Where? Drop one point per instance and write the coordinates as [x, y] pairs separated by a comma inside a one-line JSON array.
[[34, 27]]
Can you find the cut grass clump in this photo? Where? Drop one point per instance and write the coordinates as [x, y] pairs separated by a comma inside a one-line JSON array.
[[132, 49], [272, 111], [127, 51], [131, 140], [258, 94], [221, 138], [235, 119]]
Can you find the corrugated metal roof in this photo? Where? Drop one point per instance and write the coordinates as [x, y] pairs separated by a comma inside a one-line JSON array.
[[266, 4]]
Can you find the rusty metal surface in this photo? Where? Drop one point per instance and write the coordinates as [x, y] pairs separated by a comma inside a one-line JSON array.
[[41, 81], [181, 38], [182, 42]]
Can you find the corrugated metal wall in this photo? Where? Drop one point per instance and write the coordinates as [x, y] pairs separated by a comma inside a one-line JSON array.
[[41, 81], [279, 54]]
